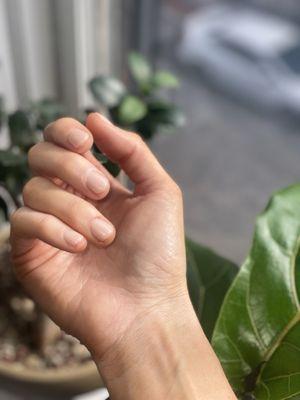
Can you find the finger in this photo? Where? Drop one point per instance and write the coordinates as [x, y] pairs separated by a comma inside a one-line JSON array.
[[69, 133], [72, 135], [50, 160], [43, 195], [115, 184], [28, 225], [129, 151]]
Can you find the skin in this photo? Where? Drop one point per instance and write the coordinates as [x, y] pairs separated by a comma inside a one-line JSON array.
[[108, 265]]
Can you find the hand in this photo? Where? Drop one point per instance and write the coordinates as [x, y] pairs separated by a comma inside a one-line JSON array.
[[108, 265], [95, 255]]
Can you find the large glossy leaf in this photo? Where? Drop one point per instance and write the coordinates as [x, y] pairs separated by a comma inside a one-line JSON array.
[[257, 336], [209, 277], [131, 109], [107, 90], [140, 68]]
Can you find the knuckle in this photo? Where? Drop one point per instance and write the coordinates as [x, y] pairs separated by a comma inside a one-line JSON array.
[[176, 190], [29, 187], [44, 225], [33, 151], [15, 217], [69, 162], [138, 143], [74, 207], [137, 139]]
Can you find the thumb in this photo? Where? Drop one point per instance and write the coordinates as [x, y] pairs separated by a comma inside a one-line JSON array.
[[129, 151]]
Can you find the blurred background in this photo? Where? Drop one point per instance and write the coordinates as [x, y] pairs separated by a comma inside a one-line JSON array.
[[238, 65]]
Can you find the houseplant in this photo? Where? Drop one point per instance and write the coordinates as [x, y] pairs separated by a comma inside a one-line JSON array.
[[256, 334]]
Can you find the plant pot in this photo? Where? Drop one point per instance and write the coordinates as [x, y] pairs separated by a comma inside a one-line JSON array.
[[61, 380]]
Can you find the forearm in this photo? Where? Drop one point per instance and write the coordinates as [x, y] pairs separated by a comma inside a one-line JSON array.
[[164, 355]]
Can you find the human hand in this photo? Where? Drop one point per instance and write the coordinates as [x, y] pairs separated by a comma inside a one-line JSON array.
[[108, 265], [98, 259]]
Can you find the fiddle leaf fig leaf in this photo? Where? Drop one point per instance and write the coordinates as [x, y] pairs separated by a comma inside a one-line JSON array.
[[165, 79], [140, 68], [257, 335], [131, 109], [209, 277], [107, 90]]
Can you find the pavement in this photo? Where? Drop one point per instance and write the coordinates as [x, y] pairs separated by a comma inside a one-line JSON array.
[[228, 160]]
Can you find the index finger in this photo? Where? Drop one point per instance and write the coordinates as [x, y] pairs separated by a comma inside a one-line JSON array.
[[70, 134]]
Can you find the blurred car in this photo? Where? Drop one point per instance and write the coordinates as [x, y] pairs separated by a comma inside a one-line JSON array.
[[251, 54]]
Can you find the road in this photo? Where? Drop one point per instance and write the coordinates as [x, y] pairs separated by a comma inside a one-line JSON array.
[[228, 160]]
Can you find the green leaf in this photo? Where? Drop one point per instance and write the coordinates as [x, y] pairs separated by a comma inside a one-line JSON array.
[[209, 277], [2, 111], [8, 158], [161, 117], [13, 170], [166, 114], [107, 90], [131, 109], [257, 336], [21, 130], [111, 167], [140, 68], [165, 79], [47, 111]]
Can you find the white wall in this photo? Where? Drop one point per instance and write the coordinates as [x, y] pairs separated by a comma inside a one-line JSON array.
[[53, 47]]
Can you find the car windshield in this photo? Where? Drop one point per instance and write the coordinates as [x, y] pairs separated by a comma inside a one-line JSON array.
[[292, 58]]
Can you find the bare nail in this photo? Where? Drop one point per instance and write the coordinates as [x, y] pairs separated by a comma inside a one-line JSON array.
[[96, 182], [101, 229], [77, 137], [73, 238]]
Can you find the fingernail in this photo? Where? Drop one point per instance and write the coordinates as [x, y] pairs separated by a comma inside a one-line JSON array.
[[96, 182], [101, 229], [77, 137], [73, 238], [104, 119]]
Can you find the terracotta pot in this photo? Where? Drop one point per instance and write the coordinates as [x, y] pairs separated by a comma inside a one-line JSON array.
[[64, 380]]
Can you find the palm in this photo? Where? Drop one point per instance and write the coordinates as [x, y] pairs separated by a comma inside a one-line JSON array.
[[111, 282]]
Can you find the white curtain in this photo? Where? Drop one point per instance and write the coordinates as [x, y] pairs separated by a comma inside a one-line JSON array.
[[51, 48]]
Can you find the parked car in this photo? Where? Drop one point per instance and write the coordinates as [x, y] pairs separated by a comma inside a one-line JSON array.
[[249, 53]]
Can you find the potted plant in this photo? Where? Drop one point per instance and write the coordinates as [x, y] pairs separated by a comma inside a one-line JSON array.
[[32, 347]]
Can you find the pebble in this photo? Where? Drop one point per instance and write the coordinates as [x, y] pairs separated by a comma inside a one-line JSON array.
[[34, 361], [8, 352], [18, 316]]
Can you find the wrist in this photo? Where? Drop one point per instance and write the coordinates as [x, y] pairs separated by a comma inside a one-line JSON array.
[[163, 354]]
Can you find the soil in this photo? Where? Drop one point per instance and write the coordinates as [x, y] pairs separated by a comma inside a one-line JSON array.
[[27, 336]]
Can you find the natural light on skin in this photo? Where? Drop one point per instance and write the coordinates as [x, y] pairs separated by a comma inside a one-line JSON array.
[[121, 286]]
